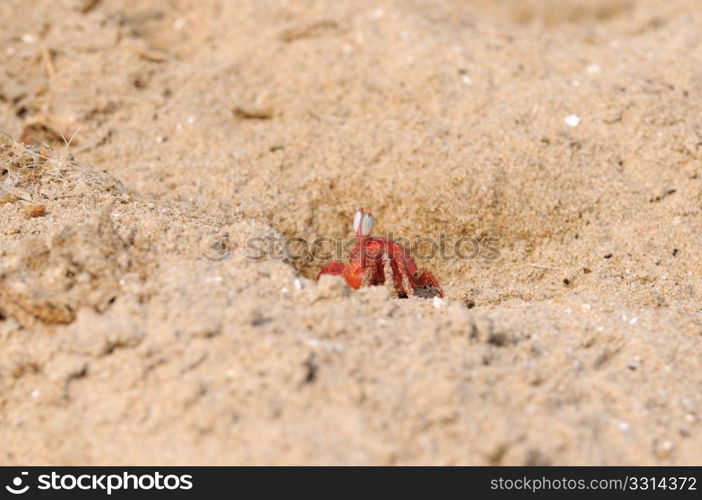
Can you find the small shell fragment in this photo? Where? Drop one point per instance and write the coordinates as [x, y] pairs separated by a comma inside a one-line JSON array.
[[572, 120]]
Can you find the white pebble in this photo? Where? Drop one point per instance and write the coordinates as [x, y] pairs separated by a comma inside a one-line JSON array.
[[623, 426], [27, 38], [439, 302], [572, 120], [297, 284], [634, 363], [664, 448], [466, 80], [593, 69], [633, 320]]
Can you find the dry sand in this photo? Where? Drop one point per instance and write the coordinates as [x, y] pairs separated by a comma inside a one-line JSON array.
[[134, 329]]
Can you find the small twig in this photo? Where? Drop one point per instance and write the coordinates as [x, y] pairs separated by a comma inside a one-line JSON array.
[[250, 113], [152, 55], [49, 63], [541, 266], [310, 30], [89, 5], [327, 118]]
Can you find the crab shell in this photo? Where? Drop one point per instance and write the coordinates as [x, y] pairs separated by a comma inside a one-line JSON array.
[[374, 259]]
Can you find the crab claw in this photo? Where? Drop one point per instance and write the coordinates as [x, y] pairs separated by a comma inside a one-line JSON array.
[[333, 268], [363, 223]]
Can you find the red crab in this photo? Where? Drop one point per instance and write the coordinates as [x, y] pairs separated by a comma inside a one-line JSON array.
[[373, 258]]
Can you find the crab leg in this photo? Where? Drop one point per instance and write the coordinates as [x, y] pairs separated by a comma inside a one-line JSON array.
[[402, 277], [428, 279]]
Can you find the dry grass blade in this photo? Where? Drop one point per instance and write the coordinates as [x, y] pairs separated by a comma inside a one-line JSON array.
[[32, 173]]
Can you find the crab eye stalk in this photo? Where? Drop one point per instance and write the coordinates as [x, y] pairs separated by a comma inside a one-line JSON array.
[[367, 222], [363, 223], [357, 222]]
